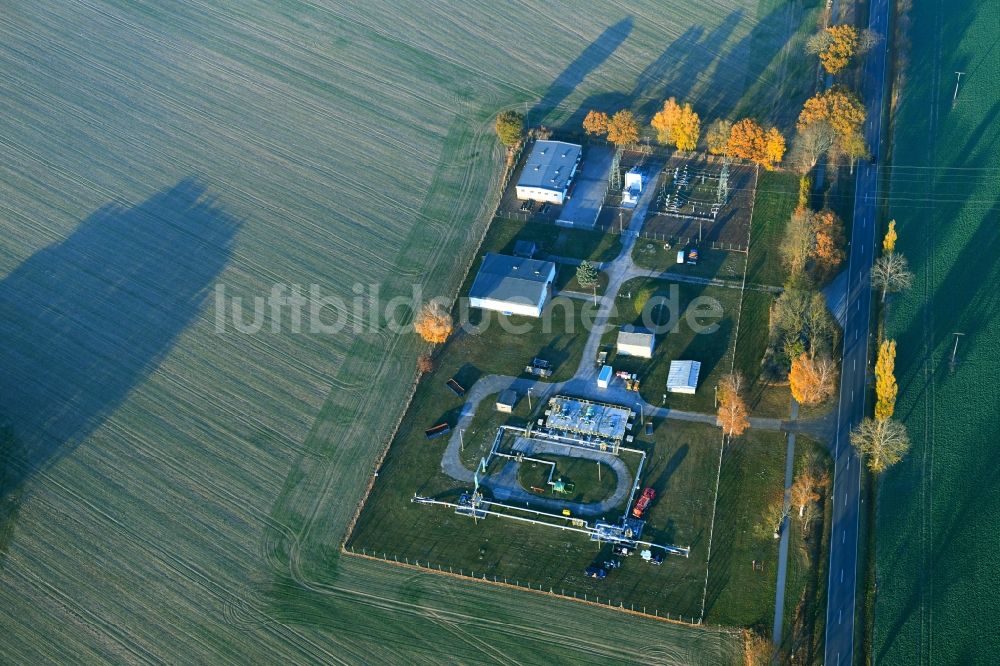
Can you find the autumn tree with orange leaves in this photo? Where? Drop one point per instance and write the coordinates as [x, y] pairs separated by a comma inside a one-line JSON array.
[[596, 122], [763, 147], [835, 46], [845, 114], [812, 379], [734, 417], [623, 130], [433, 324], [806, 489], [828, 251], [677, 125]]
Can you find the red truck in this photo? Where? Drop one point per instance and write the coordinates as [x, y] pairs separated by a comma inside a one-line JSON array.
[[644, 500]]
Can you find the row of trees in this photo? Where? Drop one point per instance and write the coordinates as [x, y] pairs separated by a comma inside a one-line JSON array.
[[679, 125], [881, 439]]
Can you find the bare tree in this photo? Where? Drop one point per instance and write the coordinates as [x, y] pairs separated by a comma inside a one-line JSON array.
[[882, 443], [799, 241], [867, 40], [890, 273], [811, 143], [816, 44]]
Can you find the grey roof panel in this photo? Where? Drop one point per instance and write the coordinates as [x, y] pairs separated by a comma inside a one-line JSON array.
[[511, 279], [550, 165]]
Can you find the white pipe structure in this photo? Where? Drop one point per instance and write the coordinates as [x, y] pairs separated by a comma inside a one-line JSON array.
[[587, 529]]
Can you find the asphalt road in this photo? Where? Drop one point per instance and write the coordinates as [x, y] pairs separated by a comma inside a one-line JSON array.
[[843, 585]]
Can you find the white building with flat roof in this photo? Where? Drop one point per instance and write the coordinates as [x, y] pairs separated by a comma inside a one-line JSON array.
[[512, 285], [635, 342], [683, 377], [548, 171]]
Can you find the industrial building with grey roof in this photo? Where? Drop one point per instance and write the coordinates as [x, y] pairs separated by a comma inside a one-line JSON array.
[[548, 171], [512, 284]]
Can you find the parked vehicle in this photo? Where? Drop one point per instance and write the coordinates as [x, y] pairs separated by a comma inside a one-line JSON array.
[[595, 572], [624, 551], [612, 564], [692, 257], [643, 503]]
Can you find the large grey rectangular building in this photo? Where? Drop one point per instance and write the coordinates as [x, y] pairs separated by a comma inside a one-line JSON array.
[[513, 285], [548, 171]]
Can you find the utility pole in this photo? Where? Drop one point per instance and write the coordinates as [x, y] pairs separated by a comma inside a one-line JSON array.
[[954, 350], [958, 80], [529, 398], [461, 440]]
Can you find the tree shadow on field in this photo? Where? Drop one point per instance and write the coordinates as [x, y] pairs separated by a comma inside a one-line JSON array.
[[86, 319], [674, 72], [590, 59]]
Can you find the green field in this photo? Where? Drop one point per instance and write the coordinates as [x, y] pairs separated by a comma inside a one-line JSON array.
[[171, 492], [938, 511]]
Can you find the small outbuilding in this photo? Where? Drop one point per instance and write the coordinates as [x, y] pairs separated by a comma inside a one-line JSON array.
[[683, 377], [506, 401], [632, 189], [525, 249], [635, 342], [604, 377]]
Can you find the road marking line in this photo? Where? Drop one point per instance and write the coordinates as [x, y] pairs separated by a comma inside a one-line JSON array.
[[845, 502], [840, 616], [841, 575], [843, 533]]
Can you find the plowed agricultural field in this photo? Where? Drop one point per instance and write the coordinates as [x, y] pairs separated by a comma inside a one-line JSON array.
[[175, 490], [939, 512]]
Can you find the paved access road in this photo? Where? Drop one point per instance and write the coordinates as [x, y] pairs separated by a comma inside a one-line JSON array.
[[840, 630]]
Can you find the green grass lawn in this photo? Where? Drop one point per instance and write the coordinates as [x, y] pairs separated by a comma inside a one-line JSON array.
[[495, 343], [479, 436], [596, 246], [682, 463], [753, 474], [592, 482], [713, 349], [717, 264], [566, 281], [777, 196]]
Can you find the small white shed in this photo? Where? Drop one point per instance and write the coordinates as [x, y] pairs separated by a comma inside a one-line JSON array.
[[635, 342], [683, 377]]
